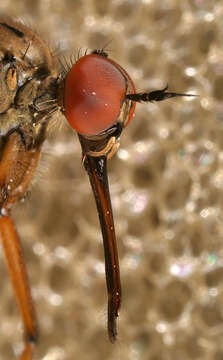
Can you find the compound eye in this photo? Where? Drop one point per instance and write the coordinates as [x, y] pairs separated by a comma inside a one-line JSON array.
[[95, 90], [11, 79]]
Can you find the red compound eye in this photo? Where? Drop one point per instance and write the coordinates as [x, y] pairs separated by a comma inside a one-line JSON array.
[[95, 89]]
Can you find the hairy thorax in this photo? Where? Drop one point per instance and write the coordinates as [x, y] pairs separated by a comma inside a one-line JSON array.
[[28, 83]]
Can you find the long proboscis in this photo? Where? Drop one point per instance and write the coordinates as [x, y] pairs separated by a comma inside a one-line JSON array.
[[96, 168]]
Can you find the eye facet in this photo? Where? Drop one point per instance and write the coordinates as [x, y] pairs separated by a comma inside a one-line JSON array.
[[95, 90]]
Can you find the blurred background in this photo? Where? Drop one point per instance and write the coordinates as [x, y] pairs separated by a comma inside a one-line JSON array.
[[166, 185]]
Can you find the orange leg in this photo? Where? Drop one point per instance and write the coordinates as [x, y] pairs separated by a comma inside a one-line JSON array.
[[17, 271]]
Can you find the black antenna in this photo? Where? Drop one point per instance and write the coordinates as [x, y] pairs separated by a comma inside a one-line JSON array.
[[157, 95]]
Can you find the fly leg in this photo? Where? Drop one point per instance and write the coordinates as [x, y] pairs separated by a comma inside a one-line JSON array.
[[17, 167], [19, 279]]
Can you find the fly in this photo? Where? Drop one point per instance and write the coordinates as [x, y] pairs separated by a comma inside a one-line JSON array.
[[98, 98]]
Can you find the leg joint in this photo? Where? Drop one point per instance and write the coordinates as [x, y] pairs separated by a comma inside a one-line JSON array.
[[32, 338]]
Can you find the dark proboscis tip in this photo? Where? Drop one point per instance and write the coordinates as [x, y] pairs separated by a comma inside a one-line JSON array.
[[112, 322], [157, 95]]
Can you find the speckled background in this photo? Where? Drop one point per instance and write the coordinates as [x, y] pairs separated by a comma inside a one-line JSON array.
[[166, 186]]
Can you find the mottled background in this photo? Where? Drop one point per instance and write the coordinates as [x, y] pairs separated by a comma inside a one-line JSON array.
[[166, 186]]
